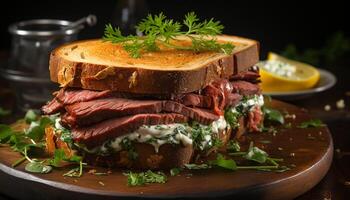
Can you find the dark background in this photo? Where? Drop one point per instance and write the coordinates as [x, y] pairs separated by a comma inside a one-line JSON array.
[[274, 24]]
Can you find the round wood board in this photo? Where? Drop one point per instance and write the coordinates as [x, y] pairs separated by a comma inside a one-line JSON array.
[[309, 151]]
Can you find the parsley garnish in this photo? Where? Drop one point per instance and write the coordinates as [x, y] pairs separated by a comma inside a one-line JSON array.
[[272, 115], [175, 171], [313, 123], [197, 166], [233, 146], [142, 178], [158, 30]]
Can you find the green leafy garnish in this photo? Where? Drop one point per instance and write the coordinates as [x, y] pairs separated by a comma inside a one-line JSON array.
[[175, 171], [198, 134], [233, 146], [5, 133], [313, 123], [4, 112], [142, 178], [30, 116], [158, 30], [128, 146], [272, 115], [38, 167], [232, 118], [197, 166], [256, 154], [36, 130], [60, 156], [222, 162]]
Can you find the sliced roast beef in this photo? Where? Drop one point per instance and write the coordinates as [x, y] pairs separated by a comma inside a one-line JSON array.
[[89, 112], [70, 96], [250, 76], [194, 100], [245, 88], [109, 129], [52, 107], [203, 116]]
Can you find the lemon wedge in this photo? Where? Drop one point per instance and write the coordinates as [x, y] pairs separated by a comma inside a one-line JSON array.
[[279, 74]]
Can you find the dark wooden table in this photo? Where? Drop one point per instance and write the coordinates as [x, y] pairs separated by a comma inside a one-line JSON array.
[[336, 184]]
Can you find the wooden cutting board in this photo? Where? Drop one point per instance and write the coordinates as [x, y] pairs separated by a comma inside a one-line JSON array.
[[308, 152]]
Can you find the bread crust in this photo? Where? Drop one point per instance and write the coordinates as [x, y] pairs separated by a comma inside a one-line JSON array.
[[81, 73]]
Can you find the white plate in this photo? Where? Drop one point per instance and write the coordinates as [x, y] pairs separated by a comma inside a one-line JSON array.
[[327, 80]]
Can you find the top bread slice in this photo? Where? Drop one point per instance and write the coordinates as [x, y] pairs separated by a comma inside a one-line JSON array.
[[101, 65]]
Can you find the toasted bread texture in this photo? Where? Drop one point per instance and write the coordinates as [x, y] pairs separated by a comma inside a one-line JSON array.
[[100, 65]]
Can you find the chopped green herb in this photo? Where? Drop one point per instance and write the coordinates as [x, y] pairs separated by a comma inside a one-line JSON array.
[[175, 171], [142, 178], [59, 156], [222, 162], [265, 141], [272, 115], [256, 154], [288, 125], [36, 130], [30, 116], [198, 134], [233, 146], [232, 118], [128, 146], [313, 123], [5, 133], [197, 166], [217, 143]]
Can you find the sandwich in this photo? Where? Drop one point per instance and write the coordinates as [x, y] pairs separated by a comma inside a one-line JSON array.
[[156, 110]]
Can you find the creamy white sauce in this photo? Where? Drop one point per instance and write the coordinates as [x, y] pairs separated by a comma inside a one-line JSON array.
[[157, 135], [279, 68]]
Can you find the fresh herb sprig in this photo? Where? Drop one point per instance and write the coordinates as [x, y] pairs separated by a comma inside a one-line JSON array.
[[313, 123], [143, 178], [31, 140], [159, 30]]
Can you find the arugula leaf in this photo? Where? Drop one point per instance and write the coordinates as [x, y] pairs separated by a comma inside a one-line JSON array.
[[30, 116], [272, 115], [38, 167], [175, 171], [36, 130], [197, 166], [5, 133], [313, 123], [4, 112], [224, 163], [233, 146], [142, 178], [256, 154], [59, 156], [157, 29]]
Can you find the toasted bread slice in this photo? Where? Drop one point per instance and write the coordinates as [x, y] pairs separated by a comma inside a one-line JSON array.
[[99, 65]]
